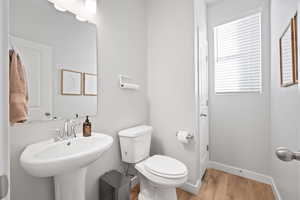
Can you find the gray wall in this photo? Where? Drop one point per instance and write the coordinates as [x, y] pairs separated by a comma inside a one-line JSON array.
[[122, 44], [285, 107], [171, 78], [239, 126]]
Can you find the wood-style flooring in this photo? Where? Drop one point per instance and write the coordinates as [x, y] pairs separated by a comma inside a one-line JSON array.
[[219, 185]]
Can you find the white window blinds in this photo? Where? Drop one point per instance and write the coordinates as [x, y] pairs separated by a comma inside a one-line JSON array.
[[238, 56]]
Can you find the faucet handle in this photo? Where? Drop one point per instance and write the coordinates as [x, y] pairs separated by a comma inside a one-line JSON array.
[[74, 131], [57, 131], [59, 135], [75, 124], [76, 127]]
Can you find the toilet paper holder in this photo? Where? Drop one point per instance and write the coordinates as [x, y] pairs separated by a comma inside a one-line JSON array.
[[188, 137], [125, 85]]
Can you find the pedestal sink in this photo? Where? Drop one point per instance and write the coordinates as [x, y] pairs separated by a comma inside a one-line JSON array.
[[67, 161]]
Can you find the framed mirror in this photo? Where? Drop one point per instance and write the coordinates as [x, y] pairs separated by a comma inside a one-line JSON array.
[[56, 50], [288, 55]]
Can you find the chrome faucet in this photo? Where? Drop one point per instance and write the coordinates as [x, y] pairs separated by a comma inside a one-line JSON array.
[[68, 131], [67, 128]]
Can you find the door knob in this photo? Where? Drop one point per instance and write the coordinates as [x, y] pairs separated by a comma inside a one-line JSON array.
[[286, 155]]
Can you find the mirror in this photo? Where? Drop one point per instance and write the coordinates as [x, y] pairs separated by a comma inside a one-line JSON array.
[[60, 60], [288, 55]]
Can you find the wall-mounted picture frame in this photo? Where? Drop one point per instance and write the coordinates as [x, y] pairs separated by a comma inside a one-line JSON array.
[[71, 82], [90, 84], [295, 46], [289, 55]]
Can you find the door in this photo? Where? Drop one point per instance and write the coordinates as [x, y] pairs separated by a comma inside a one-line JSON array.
[[203, 106], [37, 59], [4, 141]]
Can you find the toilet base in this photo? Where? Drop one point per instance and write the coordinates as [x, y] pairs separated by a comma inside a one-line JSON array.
[[152, 191]]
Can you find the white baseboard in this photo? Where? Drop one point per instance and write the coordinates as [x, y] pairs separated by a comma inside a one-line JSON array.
[[192, 188], [241, 172], [247, 174], [275, 191]]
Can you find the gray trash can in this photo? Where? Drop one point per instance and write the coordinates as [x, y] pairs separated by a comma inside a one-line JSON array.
[[114, 186]]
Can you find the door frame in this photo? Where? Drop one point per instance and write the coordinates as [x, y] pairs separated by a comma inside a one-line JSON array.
[[4, 92], [45, 102], [197, 102], [197, 61]]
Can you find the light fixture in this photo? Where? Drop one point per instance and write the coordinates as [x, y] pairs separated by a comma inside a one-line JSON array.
[[91, 6], [59, 7], [80, 18], [83, 9]]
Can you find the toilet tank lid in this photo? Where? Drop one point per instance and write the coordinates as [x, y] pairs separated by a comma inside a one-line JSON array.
[[135, 131]]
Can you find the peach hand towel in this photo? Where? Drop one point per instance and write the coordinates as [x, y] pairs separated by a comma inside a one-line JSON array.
[[18, 92]]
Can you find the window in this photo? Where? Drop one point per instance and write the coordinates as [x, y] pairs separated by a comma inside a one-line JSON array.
[[238, 56]]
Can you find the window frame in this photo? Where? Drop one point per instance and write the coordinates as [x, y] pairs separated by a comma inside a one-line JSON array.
[[262, 53]]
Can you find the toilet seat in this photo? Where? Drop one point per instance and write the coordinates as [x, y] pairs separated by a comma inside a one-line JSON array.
[[159, 178], [165, 167]]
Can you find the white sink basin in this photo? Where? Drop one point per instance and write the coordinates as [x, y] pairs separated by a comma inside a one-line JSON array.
[[67, 161]]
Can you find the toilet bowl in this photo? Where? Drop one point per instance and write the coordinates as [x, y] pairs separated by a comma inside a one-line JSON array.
[[159, 175]]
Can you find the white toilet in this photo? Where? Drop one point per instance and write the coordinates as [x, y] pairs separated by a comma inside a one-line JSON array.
[[159, 175]]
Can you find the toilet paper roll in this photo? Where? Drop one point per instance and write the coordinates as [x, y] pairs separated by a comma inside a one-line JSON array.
[[182, 136]]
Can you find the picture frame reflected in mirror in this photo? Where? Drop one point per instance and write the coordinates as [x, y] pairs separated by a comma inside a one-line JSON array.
[[71, 82]]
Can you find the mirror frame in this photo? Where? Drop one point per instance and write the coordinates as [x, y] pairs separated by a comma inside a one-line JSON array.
[[294, 45]]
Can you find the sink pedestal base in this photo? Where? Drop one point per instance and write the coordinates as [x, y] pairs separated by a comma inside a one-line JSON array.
[[70, 186]]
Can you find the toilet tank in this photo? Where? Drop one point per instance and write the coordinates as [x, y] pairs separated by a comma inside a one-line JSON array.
[[135, 143]]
